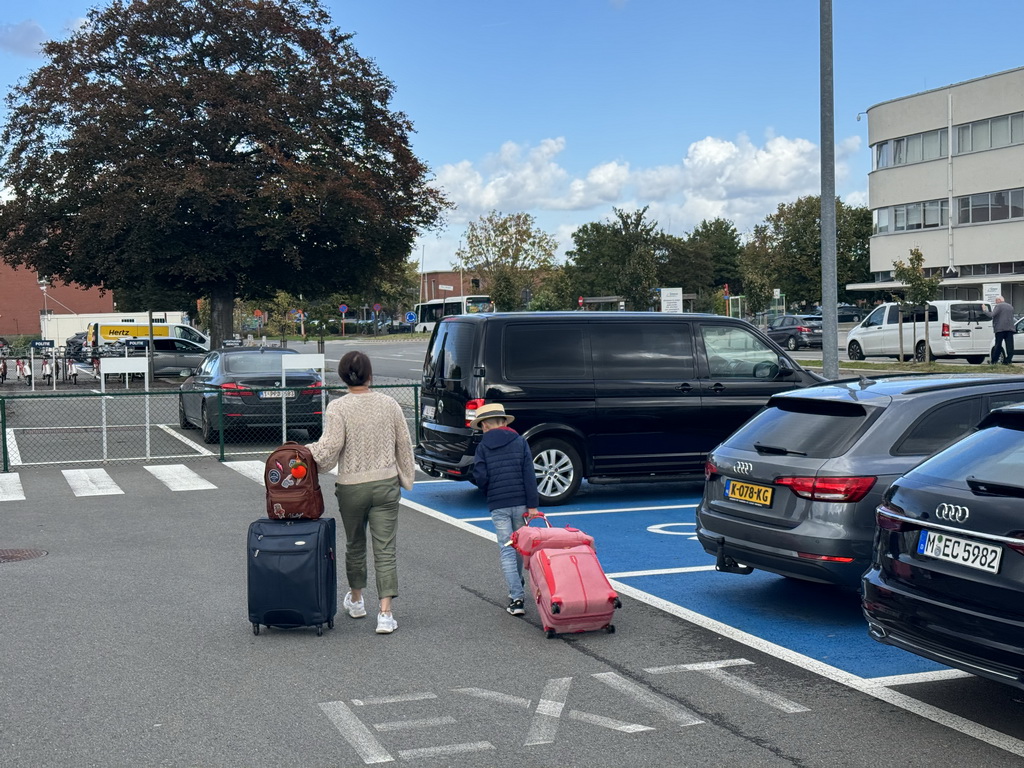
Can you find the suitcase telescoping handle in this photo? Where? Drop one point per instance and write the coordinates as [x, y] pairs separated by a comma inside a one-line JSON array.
[[540, 516]]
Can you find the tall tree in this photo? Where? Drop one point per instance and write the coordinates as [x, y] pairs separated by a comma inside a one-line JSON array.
[[919, 290], [220, 147], [509, 253], [617, 258], [721, 241], [685, 263]]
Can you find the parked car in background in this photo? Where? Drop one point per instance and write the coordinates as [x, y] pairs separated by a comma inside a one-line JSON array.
[[947, 578], [794, 490], [848, 313], [603, 396], [795, 331], [171, 356], [955, 329], [247, 381]]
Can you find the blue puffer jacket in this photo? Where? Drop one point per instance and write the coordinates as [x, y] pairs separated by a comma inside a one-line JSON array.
[[503, 469]]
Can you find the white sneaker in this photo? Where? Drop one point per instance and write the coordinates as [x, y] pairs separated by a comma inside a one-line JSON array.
[[386, 624], [355, 610]]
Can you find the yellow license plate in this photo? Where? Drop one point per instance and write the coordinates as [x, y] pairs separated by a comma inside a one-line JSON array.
[[761, 495]]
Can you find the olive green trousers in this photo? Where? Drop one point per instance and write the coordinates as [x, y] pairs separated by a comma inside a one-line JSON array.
[[371, 507]]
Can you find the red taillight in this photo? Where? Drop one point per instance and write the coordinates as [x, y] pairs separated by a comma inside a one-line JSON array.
[[471, 407], [803, 329], [1017, 546], [888, 523], [945, 330], [710, 470], [824, 558], [842, 489], [232, 388], [312, 391]]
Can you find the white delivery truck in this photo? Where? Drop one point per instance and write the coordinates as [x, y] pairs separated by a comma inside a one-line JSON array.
[[58, 328]]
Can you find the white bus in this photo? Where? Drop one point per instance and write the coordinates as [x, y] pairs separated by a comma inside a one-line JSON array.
[[429, 312]]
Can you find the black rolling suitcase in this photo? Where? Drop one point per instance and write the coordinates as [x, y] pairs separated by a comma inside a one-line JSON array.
[[293, 581]]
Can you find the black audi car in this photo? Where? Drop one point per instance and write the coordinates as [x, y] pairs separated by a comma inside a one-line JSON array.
[[947, 577]]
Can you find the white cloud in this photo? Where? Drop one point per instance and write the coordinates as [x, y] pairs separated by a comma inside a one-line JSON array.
[[22, 39], [734, 179]]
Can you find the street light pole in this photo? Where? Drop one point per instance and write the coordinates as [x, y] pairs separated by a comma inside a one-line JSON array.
[[829, 292]]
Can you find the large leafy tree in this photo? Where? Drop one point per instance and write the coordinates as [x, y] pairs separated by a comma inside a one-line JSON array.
[[509, 253], [619, 257], [685, 263], [221, 147], [785, 251], [720, 240]]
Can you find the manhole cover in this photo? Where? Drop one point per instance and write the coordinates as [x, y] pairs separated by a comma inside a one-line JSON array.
[[15, 555]]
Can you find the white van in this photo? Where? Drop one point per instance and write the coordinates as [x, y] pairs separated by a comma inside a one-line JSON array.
[[107, 333], [956, 328]]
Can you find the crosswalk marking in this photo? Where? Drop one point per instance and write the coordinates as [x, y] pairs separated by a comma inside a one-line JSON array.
[[10, 487], [178, 477], [91, 482], [251, 469]]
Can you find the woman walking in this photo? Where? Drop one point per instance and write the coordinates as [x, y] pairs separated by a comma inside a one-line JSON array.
[[366, 437]]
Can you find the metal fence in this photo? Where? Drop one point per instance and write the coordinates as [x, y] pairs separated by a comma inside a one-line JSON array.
[[126, 426]]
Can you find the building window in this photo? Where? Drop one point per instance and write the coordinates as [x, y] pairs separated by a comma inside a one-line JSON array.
[[899, 217], [932, 214], [1000, 131], [963, 139], [914, 153], [899, 152], [881, 216], [1000, 208], [979, 206], [963, 210], [883, 155], [1016, 203], [914, 216], [1017, 128]]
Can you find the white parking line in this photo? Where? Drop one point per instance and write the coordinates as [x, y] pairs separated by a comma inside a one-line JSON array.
[[91, 482], [13, 454], [937, 675], [190, 443], [661, 571], [251, 469], [178, 477], [10, 487], [597, 512]]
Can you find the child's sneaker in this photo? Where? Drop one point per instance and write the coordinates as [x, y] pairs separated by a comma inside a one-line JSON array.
[[355, 610], [516, 608], [386, 624]]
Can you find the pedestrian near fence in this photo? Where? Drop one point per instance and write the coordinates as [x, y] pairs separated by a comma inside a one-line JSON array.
[[366, 437]]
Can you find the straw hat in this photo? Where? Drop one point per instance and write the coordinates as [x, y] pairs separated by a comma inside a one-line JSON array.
[[490, 411]]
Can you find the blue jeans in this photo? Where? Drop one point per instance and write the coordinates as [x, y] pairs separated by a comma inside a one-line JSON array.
[[506, 520]]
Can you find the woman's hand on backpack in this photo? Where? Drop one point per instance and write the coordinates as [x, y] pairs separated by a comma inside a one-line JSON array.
[[533, 514]]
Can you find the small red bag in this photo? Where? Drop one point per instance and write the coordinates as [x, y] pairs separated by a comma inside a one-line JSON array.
[[293, 485], [528, 540]]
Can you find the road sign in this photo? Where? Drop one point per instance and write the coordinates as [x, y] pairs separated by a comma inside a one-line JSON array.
[[581, 301], [410, 317], [376, 307], [44, 344], [446, 288], [343, 308]]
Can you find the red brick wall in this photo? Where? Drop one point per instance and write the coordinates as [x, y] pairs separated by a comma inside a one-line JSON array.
[[21, 300], [429, 282]]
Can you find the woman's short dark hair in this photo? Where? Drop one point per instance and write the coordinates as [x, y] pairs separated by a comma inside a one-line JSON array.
[[354, 368]]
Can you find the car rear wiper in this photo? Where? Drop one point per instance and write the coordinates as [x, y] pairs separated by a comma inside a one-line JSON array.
[[777, 450], [989, 488]]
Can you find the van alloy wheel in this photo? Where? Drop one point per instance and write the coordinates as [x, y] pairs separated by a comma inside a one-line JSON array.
[[854, 352], [558, 469]]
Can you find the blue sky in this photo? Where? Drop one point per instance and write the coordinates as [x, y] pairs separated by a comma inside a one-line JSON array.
[[566, 109]]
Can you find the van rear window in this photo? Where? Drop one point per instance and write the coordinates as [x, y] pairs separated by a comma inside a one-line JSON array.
[[969, 313], [544, 352]]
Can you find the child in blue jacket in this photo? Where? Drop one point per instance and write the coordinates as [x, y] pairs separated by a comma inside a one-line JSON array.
[[503, 469]]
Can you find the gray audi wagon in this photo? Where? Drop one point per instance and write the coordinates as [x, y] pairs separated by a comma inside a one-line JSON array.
[[794, 490], [603, 396]]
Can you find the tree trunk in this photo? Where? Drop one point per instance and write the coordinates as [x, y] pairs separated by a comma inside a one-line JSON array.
[[222, 306]]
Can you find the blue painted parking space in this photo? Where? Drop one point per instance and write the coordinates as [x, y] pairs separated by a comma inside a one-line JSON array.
[[644, 536]]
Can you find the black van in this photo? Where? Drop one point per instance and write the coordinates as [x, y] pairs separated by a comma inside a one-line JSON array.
[[606, 396]]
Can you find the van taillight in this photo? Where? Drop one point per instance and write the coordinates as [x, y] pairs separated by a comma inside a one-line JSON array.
[[471, 407], [843, 489], [945, 330]]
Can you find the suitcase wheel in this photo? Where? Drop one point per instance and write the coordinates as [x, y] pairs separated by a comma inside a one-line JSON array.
[[556, 608], [549, 632], [610, 629], [618, 603], [255, 628], [319, 630], [330, 623]]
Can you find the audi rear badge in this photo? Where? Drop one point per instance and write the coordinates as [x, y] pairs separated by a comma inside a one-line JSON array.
[[952, 513], [743, 467]]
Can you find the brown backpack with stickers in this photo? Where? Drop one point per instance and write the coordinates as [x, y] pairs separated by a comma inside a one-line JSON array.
[[293, 487]]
